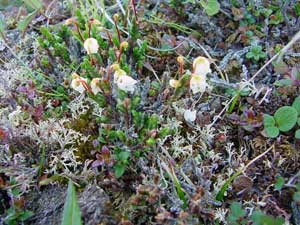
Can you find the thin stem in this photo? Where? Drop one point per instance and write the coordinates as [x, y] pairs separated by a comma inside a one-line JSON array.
[[79, 32], [3, 37], [86, 86], [92, 62], [108, 73], [120, 54], [90, 26], [180, 70], [134, 10], [118, 31], [109, 36]]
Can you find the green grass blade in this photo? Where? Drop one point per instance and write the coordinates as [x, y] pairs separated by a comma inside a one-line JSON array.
[[71, 214]]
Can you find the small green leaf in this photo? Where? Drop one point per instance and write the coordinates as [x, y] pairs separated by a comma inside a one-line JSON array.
[[164, 132], [297, 134], [119, 170], [71, 214], [279, 183], [256, 217], [25, 215], [211, 7], [150, 141], [286, 118], [269, 121], [23, 24], [298, 121], [297, 9], [296, 104], [272, 132], [259, 218], [221, 193], [249, 55], [236, 213], [284, 82], [123, 156]]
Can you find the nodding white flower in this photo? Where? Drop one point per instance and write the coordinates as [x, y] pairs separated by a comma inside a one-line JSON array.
[[126, 83], [76, 83], [123, 81], [174, 83], [95, 85], [198, 83], [118, 73], [201, 66], [190, 115], [91, 46]]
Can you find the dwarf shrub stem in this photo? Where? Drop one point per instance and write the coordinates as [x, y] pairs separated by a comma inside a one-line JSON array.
[[79, 32], [108, 36], [117, 28], [120, 54], [90, 26], [180, 61], [87, 87]]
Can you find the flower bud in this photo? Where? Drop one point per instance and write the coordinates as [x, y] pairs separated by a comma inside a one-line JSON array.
[[116, 17], [124, 45], [180, 59], [94, 22]]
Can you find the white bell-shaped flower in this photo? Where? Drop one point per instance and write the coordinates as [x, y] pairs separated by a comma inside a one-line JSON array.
[[91, 46], [201, 66], [190, 115], [126, 83], [76, 83], [198, 83], [95, 85]]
